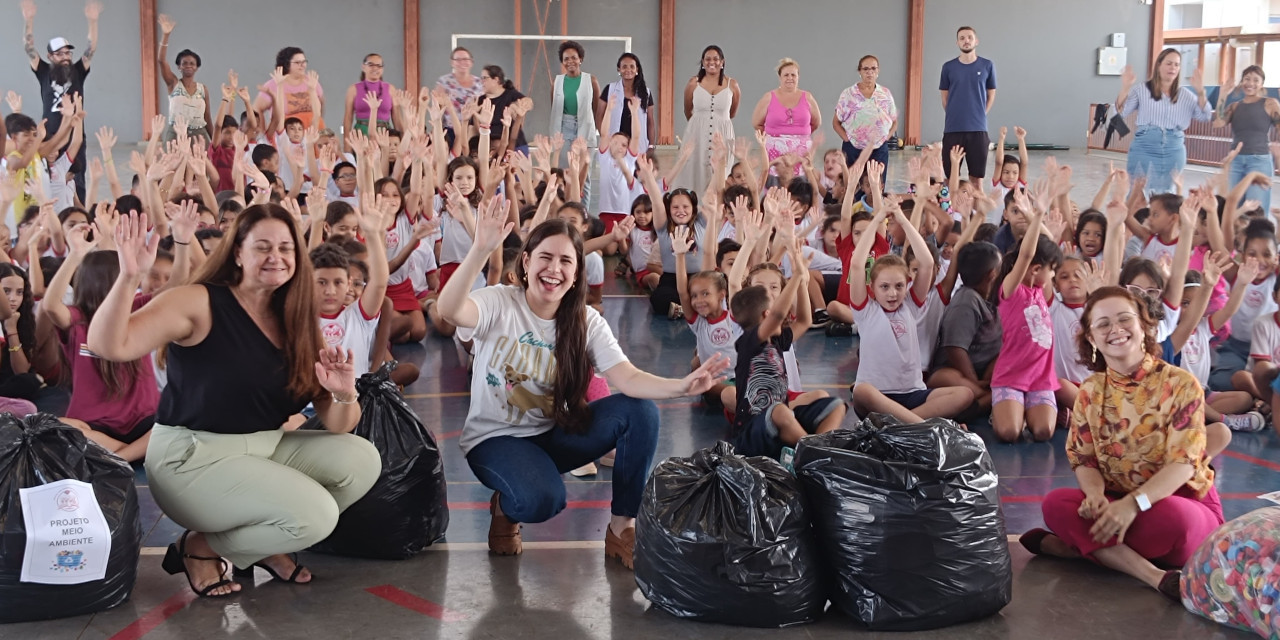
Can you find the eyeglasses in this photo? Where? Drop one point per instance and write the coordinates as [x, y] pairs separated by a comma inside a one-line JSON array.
[[373, 65], [346, 176], [1104, 325], [461, 59], [1151, 293], [302, 61]]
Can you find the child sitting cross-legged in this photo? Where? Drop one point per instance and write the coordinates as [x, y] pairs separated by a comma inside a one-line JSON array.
[[888, 312], [765, 421]]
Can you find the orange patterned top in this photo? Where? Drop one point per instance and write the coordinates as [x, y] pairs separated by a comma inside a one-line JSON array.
[[1129, 427]]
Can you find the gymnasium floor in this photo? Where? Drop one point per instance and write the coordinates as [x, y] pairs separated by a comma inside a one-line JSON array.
[[562, 587]]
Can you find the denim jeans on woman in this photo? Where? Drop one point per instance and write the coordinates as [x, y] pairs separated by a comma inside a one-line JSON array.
[[527, 472], [1242, 165], [1157, 154]]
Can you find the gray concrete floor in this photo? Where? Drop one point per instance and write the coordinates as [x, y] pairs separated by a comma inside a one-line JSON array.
[[573, 593]]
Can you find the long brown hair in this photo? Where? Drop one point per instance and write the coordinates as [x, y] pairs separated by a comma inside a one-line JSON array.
[[293, 303], [1089, 355], [573, 367], [1153, 83], [90, 285]]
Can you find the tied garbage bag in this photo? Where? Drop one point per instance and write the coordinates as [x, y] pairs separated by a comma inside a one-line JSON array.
[[725, 538], [37, 450], [1234, 577], [910, 522], [407, 508]]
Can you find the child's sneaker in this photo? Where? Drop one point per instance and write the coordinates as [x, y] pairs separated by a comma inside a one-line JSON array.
[[1251, 422], [588, 469], [820, 318], [841, 330]]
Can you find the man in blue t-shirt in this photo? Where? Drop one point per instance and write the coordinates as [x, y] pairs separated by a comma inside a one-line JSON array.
[[968, 90]]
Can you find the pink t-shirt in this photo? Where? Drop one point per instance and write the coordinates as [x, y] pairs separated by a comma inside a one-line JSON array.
[[90, 400], [1220, 293], [1026, 360]]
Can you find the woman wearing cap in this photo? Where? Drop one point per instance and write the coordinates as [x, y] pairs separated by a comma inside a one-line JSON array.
[[187, 98], [371, 84]]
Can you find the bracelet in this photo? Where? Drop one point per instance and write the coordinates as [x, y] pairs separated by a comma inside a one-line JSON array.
[[182, 243], [353, 399], [15, 348]]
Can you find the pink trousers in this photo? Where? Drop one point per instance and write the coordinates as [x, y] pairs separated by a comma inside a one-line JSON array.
[[1166, 535]]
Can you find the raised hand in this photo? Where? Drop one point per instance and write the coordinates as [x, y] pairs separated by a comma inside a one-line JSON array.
[[622, 230], [166, 24], [28, 10], [492, 224], [681, 243], [486, 111], [184, 219], [78, 242], [1128, 78], [92, 10], [1249, 270], [313, 79], [374, 102], [1021, 133], [14, 101]]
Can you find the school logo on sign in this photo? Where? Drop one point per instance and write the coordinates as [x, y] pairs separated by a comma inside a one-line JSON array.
[[67, 500]]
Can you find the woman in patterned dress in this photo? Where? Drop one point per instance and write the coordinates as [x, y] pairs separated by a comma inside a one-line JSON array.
[[1137, 444]]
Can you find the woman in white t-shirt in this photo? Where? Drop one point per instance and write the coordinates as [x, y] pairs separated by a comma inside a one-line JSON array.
[[536, 348]]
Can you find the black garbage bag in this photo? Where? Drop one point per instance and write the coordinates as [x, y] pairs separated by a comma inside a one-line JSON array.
[[726, 538], [910, 522], [407, 509], [37, 450]]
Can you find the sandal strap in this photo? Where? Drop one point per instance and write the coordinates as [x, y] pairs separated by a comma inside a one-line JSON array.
[[204, 593]]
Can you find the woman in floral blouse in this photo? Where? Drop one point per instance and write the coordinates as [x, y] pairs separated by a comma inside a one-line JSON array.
[[866, 116], [1137, 445], [461, 86]]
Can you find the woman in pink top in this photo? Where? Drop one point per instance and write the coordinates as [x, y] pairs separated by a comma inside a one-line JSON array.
[[787, 116], [299, 88], [357, 114], [1023, 380]]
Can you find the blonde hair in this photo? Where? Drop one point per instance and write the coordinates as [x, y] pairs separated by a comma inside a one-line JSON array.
[[787, 62]]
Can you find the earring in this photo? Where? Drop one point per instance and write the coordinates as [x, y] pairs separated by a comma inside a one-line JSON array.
[[1094, 347]]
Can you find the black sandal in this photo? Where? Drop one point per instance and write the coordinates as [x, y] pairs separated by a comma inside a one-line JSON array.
[[174, 563], [293, 577], [1033, 540]]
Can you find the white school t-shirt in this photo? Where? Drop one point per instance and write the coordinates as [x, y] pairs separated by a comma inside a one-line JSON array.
[[1066, 325], [615, 195], [717, 335], [1258, 301], [455, 242], [889, 345], [512, 385], [398, 236], [1154, 249], [1197, 354], [931, 323], [352, 329], [818, 260], [593, 264], [420, 263], [1265, 345], [63, 192], [642, 241]]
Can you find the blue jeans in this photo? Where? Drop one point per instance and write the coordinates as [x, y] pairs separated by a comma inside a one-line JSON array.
[[527, 472], [1232, 356], [1157, 154], [879, 154], [1242, 165]]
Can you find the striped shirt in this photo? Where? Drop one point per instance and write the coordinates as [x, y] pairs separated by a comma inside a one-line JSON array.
[[1163, 113]]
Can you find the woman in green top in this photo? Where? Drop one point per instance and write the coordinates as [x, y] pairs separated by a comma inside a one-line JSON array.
[[573, 98]]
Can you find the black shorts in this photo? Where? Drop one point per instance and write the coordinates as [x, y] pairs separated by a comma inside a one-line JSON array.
[[141, 429], [975, 145], [831, 285]]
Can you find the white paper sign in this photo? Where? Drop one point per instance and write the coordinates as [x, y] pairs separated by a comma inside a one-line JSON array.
[[68, 540]]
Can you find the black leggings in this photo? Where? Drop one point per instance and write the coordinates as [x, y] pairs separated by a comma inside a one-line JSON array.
[[664, 295]]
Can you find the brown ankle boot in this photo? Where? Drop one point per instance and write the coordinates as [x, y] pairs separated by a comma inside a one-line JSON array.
[[504, 535], [622, 547]]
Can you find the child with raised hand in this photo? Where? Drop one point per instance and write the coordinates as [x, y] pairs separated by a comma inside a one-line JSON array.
[[890, 373], [677, 208], [353, 326], [703, 297], [1074, 281], [1024, 381], [1223, 411], [1010, 172], [852, 226], [765, 421]]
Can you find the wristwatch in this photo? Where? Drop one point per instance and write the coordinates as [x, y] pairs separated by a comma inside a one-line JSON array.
[[1144, 503]]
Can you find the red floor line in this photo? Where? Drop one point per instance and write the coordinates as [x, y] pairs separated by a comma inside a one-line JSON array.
[[1274, 466], [155, 617], [414, 603]]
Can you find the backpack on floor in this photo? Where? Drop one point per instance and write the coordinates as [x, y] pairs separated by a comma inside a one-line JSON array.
[[910, 523], [39, 450], [407, 509], [726, 538], [1234, 577]]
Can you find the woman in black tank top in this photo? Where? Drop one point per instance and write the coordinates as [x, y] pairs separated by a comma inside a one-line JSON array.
[[244, 354], [1251, 120]]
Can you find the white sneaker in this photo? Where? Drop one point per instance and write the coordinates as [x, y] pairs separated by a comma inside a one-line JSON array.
[[1251, 422], [588, 469]]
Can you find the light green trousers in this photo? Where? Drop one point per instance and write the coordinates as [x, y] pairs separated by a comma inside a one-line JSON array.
[[259, 494]]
